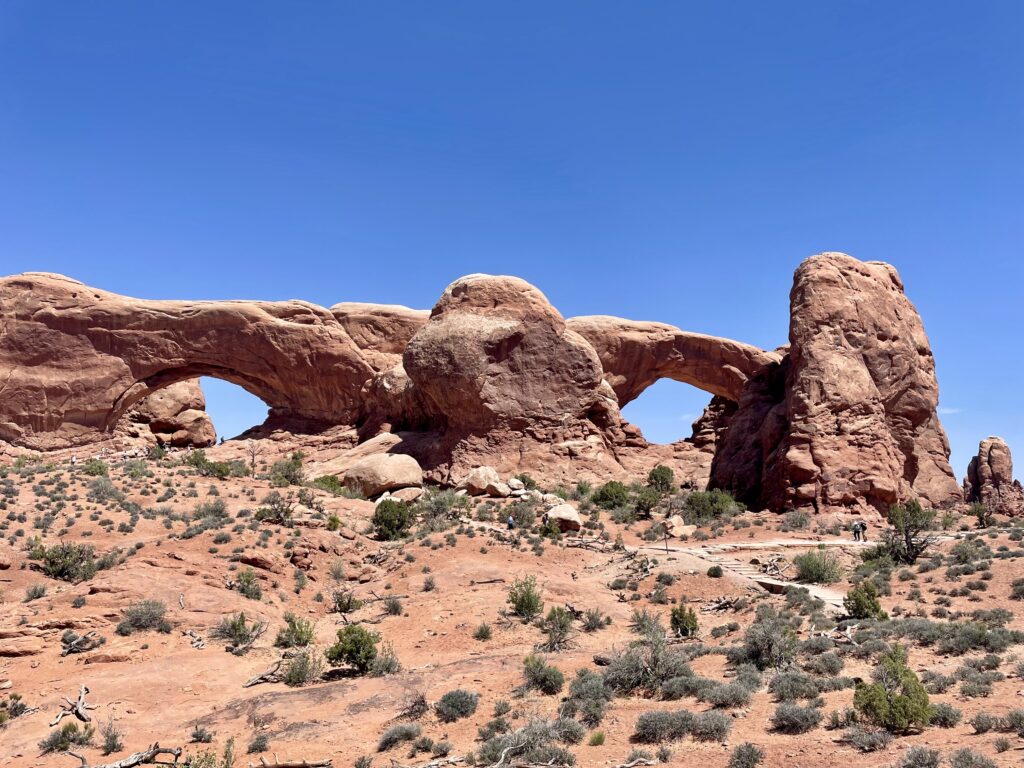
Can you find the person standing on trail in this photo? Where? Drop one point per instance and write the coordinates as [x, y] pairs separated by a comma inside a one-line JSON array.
[[863, 531], [511, 523], [856, 530]]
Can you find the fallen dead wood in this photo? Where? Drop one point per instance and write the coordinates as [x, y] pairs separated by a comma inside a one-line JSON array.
[[79, 709], [271, 675], [74, 643], [264, 763], [638, 761], [474, 582], [146, 757]]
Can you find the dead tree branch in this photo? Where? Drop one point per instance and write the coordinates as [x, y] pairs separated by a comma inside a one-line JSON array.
[[146, 757], [79, 709], [270, 676], [264, 763]]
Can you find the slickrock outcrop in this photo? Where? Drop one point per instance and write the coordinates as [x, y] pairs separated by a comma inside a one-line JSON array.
[[174, 416], [990, 480], [854, 424]]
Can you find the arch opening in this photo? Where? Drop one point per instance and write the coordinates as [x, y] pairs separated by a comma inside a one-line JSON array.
[[665, 411], [232, 409]]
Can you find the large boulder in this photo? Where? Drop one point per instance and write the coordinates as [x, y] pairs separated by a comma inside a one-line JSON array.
[[565, 517], [499, 371], [175, 416], [990, 480], [484, 481], [376, 474]]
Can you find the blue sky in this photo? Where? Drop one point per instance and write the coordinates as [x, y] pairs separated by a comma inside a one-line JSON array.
[[666, 161]]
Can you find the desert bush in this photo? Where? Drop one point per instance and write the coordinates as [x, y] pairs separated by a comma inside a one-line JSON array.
[[921, 757], [700, 507], [965, 758], [483, 632], [792, 685], [746, 755], [537, 742], [344, 601], [818, 567], [301, 669], [287, 471], [67, 736], [456, 705], [297, 632], [112, 738], [662, 479], [867, 739], [657, 727], [542, 676], [355, 646], [524, 597], [983, 722], [594, 619], [611, 495], [66, 561], [385, 662], [909, 537], [945, 715], [392, 520], [144, 615], [770, 641], [715, 572], [710, 726], [34, 592], [557, 626], [793, 719], [237, 631], [259, 743], [861, 602], [896, 700], [397, 734], [588, 698], [683, 621], [248, 585]]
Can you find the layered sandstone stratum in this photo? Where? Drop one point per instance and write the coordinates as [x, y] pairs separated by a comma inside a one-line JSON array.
[[843, 418]]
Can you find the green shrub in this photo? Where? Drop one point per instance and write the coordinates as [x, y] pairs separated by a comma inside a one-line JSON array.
[[557, 626], [542, 676], [596, 739], [483, 632], [746, 755], [259, 743], [684, 621], [95, 467], [356, 646], [867, 739], [287, 471], [861, 602], [34, 592], [524, 597], [662, 479], [67, 736], [588, 698], [329, 483], [456, 705], [392, 520], [297, 632], [238, 632], [945, 715], [112, 738], [715, 572], [909, 537], [248, 584], [301, 669], [385, 662], [144, 615], [611, 495], [818, 567], [706, 506], [896, 700], [69, 562]]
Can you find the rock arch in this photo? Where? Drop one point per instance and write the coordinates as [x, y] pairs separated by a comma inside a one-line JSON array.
[[635, 354]]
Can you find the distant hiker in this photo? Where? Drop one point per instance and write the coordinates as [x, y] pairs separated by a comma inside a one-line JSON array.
[[859, 529], [863, 531], [511, 523]]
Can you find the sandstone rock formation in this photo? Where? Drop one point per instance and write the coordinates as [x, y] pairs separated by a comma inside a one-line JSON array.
[[174, 416], [844, 418], [848, 419], [496, 367], [565, 517], [634, 355], [990, 480]]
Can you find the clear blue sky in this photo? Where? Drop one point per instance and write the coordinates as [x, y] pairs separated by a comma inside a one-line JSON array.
[[668, 161]]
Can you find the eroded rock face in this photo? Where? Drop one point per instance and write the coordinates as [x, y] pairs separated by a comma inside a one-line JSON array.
[[990, 480], [497, 370], [174, 416], [854, 424]]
